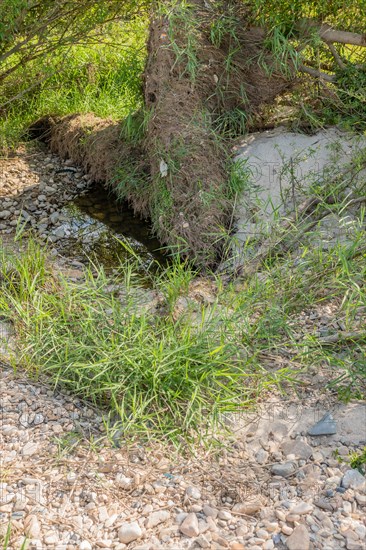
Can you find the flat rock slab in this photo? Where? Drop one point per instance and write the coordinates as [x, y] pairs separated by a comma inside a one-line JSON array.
[[281, 167], [287, 420], [325, 426]]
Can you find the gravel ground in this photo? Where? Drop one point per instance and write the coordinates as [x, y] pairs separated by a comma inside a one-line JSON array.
[[34, 186], [64, 484]]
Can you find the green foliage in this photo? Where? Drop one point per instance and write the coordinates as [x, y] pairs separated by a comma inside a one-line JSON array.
[[239, 176], [183, 22], [233, 123], [99, 68], [284, 55], [134, 126], [350, 104], [224, 27], [358, 461], [159, 376], [285, 13]]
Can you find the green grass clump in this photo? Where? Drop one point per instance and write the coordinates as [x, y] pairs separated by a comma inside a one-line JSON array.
[[159, 376], [177, 369]]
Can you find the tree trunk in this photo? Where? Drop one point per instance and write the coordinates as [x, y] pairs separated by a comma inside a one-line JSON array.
[[190, 84]]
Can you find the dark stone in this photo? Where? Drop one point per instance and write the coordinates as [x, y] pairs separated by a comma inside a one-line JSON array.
[[325, 426]]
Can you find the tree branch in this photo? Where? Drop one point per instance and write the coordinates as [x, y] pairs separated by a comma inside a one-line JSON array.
[[330, 35], [317, 74], [336, 56]]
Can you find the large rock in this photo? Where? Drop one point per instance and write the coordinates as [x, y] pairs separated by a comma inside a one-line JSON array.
[[281, 166], [325, 426]]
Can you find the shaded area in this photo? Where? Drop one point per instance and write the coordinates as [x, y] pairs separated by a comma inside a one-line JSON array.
[[96, 227]]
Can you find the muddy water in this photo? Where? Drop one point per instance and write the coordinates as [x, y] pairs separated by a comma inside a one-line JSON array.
[[95, 227]]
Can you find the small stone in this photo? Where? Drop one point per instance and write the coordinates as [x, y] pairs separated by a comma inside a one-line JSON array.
[[212, 524], [54, 217], [195, 508], [302, 508], [124, 482], [325, 426], [286, 529], [71, 478], [189, 526], [30, 448], [103, 514], [298, 448], [361, 499], [193, 492], [220, 540], [318, 456], [49, 190], [51, 538], [25, 420], [203, 542], [59, 232], [209, 511], [38, 419], [156, 518], [292, 518], [283, 470], [179, 518], [237, 546], [85, 545], [225, 515], [32, 527], [129, 532], [261, 456], [324, 504], [247, 508], [299, 539], [105, 543], [353, 479], [352, 541]]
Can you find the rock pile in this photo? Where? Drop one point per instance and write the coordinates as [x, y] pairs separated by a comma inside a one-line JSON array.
[[34, 186]]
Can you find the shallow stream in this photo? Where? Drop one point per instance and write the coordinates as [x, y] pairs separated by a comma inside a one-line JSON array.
[[96, 227]]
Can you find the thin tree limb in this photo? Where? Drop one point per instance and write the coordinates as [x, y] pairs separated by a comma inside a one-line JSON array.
[[328, 34], [336, 56], [317, 74]]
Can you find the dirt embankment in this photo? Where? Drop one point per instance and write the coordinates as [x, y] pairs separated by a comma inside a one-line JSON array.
[[192, 81]]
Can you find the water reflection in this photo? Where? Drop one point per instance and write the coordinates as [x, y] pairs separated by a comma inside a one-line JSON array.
[[92, 226]]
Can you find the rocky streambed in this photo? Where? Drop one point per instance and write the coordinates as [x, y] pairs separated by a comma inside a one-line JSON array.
[[62, 206]]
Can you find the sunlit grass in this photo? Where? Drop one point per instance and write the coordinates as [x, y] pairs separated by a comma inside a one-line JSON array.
[[103, 78], [164, 374]]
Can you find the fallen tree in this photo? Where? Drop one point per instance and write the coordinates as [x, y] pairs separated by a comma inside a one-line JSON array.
[[210, 68]]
